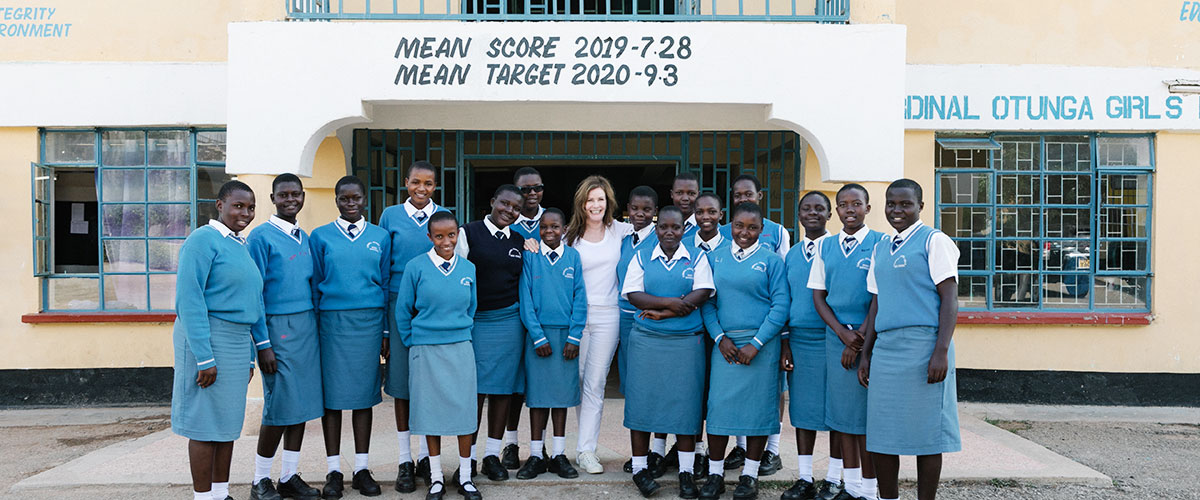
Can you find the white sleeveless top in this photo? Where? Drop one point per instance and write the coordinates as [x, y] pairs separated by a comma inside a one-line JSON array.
[[599, 261]]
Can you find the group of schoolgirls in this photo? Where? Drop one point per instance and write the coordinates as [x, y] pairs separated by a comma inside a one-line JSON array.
[[856, 328]]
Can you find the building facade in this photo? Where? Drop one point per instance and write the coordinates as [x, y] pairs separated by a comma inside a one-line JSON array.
[[1057, 145]]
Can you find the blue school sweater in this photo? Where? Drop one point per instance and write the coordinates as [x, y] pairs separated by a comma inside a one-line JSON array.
[[802, 313], [907, 296], [528, 228], [409, 239], [627, 252], [435, 306], [216, 277], [349, 274], [751, 294], [846, 276], [772, 235], [675, 281], [286, 266], [553, 295]]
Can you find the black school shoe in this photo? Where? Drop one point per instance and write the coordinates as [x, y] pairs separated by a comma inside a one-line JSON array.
[[430, 495], [468, 494], [827, 490], [562, 466], [296, 488], [771, 463], [264, 490], [713, 488], [533, 467], [747, 488], [736, 458], [656, 464], [406, 480], [700, 466], [628, 467], [365, 484], [334, 487], [687, 485], [800, 490], [845, 495], [423, 471], [474, 472], [671, 459], [493, 469], [510, 458], [645, 483]]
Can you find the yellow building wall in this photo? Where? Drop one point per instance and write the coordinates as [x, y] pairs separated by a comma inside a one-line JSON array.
[[329, 165]]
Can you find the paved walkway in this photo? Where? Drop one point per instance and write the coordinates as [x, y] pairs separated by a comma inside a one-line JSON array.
[[161, 458]]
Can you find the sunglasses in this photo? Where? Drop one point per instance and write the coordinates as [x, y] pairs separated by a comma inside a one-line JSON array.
[[536, 188]]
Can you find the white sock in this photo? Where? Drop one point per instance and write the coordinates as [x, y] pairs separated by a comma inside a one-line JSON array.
[[741, 442], [404, 438], [639, 464], [750, 468], [360, 462], [510, 437], [870, 488], [333, 463], [834, 474], [658, 445], [716, 467], [422, 448], [804, 469], [687, 461], [492, 449], [220, 490], [473, 452], [262, 468], [559, 445], [773, 442], [535, 448], [701, 448], [464, 470], [435, 469], [202, 495], [291, 465], [853, 480]]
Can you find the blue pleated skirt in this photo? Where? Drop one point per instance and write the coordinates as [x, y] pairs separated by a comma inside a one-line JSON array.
[[906, 415], [625, 326], [350, 344], [552, 381], [743, 400], [442, 388], [806, 381], [292, 394], [845, 398], [499, 341], [666, 382], [396, 382], [214, 413]]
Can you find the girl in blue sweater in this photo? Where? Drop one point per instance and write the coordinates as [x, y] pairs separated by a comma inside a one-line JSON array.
[[407, 223], [554, 310], [351, 260], [434, 314], [292, 390], [219, 323], [744, 320]]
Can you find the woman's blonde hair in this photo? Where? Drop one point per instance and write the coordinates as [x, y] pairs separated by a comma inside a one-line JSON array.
[[578, 222]]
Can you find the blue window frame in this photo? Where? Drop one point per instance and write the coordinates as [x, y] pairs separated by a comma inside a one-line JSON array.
[[1049, 222], [112, 207]]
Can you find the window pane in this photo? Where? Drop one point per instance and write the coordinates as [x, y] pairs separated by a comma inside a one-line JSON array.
[[70, 147], [961, 158], [162, 292], [170, 185], [72, 293], [1122, 256], [164, 255], [1068, 189], [170, 220], [210, 146], [1066, 291], [1068, 222], [1067, 255], [1016, 255], [205, 211], [1068, 154], [972, 291], [966, 222], [124, 220], [209, 181], [124, 184], [1018, 222], [1123, 151], [125, 292], [1018, 153], [972, 255], [125, 256], [1016, 290], [1122, 222], [1125, 189], [1121, 292], [1019, 189], [170, 147], [124, 147], [965, 188]]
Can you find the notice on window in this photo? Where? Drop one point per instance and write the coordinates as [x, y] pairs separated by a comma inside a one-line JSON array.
[[78, 224]]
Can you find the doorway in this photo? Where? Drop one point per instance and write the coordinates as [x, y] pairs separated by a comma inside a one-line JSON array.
[[562, 177]]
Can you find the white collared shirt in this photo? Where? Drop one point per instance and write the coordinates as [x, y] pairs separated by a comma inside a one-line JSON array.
[[359, 226], [943, 256], [225, 231], [438, 260], [634, 276], [816, 276], [816, 245], [690, 220], [412, 210], [287, 227], [463, 248], [521, 218], [712, 243], [546, 251], [644, 233], [733, 250]]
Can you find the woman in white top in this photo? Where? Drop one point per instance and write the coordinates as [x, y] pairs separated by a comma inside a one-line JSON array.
[[597, 236]]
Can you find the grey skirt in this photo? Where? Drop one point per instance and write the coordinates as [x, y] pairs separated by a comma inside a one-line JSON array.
[[442, 389]]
